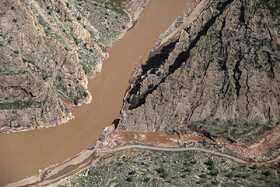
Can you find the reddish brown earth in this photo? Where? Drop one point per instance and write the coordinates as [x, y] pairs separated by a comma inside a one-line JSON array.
[[166, 140], [152, 138], [116, 140], [23, 154], [258, 146]]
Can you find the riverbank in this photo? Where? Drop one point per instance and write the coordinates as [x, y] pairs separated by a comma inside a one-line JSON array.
[[23, 154], [114, 141]]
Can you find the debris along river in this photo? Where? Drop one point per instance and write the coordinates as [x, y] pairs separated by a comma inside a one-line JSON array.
[[23, 154]]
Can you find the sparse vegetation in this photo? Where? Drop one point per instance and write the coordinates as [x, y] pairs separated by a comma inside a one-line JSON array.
[[236, 131], [139, 99], [154, 168], [19, 105], [272, 6]]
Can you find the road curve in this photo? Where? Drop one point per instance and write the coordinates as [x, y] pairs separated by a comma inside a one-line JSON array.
[[146, 147]]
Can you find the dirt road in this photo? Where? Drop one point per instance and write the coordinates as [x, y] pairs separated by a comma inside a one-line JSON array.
[[23, 154], [179, 149], [89, 157]]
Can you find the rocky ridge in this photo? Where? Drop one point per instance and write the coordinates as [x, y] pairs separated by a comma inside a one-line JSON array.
[[49, 51], [218, 76]]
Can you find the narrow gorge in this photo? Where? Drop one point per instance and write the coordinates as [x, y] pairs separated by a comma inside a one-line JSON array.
[[183, 93]]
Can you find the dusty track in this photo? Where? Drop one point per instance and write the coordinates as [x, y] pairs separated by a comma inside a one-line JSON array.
[[89, 157], [179, 149], [23, 154]]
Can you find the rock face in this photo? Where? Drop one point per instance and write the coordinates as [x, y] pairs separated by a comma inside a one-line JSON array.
[[49, 49], [222, 69]]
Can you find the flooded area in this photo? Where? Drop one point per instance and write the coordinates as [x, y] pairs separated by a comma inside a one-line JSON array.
[[23, 154]]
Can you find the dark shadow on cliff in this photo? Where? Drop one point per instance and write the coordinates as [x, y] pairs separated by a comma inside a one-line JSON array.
[[138, 100]]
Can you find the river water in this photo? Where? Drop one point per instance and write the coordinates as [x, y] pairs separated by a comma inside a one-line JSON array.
[[23, 154]]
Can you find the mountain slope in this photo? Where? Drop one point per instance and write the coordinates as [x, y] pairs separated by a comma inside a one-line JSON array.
[[49, 51], [218, 75]]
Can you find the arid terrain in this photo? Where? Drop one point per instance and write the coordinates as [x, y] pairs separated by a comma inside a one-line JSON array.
[[24, 153], [191, 89], [115, 145]]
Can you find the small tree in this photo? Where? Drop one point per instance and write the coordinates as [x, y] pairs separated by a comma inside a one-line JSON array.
[[129, 179], [266, 173], [209, 162], [76, 100], [203, 176], [160, 170], [164, 175]]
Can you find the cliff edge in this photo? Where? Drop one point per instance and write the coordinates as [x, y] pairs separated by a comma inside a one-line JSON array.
[[218, 75]]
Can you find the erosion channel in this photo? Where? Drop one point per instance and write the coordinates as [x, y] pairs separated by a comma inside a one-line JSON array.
[[23, 154]]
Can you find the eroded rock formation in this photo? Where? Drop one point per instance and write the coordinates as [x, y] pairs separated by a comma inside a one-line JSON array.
[[220, 70], [49, 51]]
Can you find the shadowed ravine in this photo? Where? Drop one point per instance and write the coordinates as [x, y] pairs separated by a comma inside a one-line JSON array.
[[23, 154]]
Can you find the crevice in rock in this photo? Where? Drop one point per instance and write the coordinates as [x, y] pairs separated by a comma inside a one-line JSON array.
[[270, 35], [221, 31], [269, 115], [182, 57], [246, 94], [237, 75], [20, 88], [271, 65], [154, 62], [201, 92], [242, 14]]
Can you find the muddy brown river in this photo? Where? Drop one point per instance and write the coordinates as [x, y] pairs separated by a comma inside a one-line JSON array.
[[23, 154]]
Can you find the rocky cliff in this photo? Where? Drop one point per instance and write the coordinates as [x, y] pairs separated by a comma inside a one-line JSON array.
[[49, 51], [218, 75]]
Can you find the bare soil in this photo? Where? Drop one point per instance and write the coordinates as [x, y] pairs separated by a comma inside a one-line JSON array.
[[23, 154]]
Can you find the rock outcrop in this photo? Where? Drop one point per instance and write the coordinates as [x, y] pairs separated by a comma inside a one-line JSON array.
[[49, 50], [220, 70]]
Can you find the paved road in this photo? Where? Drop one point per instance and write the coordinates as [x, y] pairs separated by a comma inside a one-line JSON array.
[[146, 147]]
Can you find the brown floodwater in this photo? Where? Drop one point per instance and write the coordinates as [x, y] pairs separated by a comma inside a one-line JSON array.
[[23, 154]]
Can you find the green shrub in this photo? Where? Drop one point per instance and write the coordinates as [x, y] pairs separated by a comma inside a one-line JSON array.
[[266, 173], [129, 179], [215, 182], [214, 173], [45, 76], [209, 162], [164, 175], [238, 175], [246, 176], [159, 74], [229, 175], [204, 176], [193, 162], [146, 179], [76, 100], [132, 172], [160, 170], [254, 167]]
